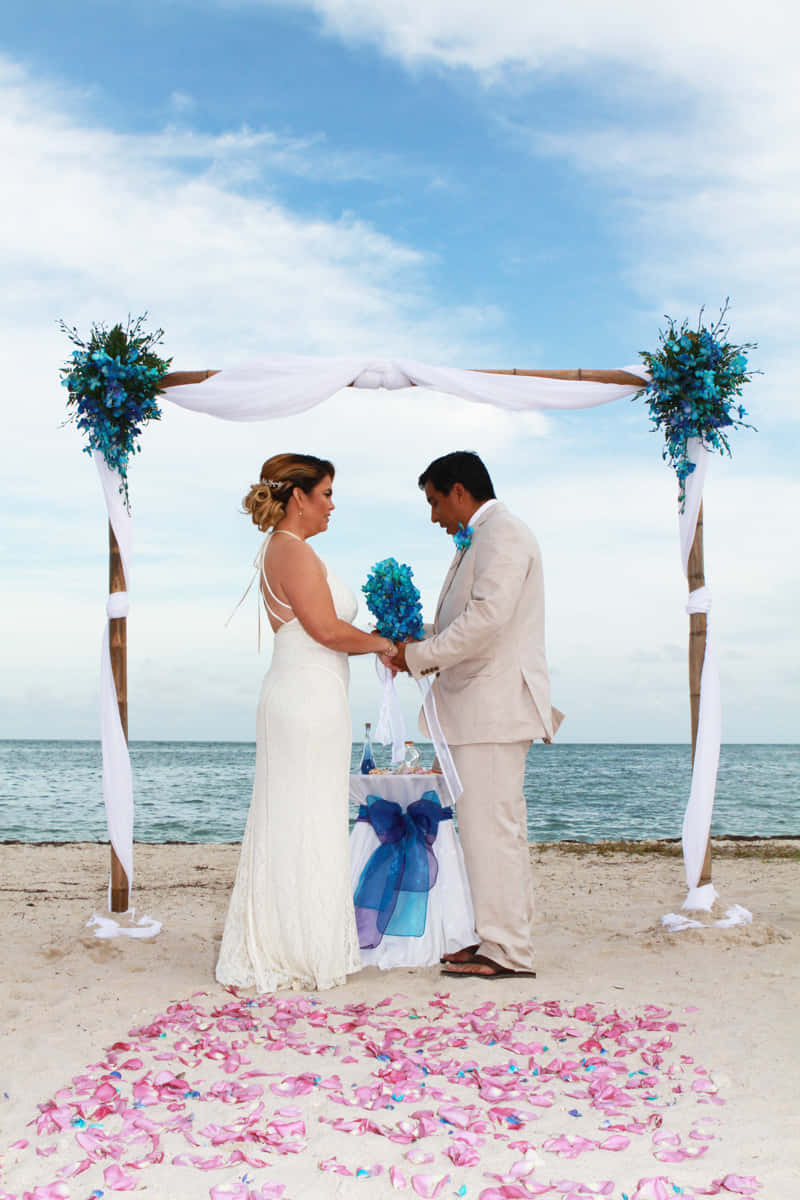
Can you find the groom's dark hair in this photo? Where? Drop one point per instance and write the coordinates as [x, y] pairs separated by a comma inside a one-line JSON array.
[[462, 466]]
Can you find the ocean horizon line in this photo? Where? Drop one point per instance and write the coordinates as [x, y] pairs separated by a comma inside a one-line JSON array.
[[200, 792], [165, 741]]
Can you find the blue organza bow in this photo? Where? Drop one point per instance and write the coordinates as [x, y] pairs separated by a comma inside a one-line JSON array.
[[392, 893]]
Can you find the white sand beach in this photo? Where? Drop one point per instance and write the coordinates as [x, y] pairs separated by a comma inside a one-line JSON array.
[[693, 1034]]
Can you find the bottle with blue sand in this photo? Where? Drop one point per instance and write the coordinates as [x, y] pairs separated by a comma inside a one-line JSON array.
[[367, 758]]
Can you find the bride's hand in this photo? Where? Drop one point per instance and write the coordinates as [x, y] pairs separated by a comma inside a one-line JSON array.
[[397, 661], [388, 654]]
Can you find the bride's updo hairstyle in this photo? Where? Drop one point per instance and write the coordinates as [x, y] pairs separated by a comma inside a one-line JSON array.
[[280, 475]]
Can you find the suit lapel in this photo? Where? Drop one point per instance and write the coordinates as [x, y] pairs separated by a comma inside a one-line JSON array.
[[448, 583], [456, 563]]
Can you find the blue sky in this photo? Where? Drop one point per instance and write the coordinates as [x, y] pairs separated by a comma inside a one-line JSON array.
[[465, 184]]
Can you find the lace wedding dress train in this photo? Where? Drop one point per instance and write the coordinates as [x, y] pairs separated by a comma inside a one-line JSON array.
[[291, 922]]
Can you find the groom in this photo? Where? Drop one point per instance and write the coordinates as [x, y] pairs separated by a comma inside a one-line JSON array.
[[493, 698]]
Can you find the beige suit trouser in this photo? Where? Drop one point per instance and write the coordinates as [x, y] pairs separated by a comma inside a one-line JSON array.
[[493, 827]]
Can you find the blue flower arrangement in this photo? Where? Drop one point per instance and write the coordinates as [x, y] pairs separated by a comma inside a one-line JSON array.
[[394, 602], [463, 537], [696, 377], [113, 381]]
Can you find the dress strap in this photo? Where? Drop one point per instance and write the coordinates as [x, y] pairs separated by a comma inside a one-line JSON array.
[[260, 565], [259, 573], [288, 533], [277, 599]]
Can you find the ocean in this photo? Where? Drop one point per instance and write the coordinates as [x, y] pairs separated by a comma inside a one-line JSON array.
[[50, 791]]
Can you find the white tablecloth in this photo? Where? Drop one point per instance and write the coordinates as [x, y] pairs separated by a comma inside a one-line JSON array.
[[450, 922]]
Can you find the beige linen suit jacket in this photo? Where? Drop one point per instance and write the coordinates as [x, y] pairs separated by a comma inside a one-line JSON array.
[[488, 648]]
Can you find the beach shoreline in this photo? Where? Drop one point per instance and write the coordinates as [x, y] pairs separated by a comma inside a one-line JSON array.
[[68, 994]]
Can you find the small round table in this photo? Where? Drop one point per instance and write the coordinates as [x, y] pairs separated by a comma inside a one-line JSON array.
[[408, 843]]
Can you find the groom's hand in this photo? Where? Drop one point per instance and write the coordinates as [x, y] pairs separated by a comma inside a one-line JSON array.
[[398, 663]]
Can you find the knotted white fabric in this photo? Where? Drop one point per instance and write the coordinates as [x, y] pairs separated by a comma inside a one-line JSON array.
[[118, 605], [382, 375], [291, 383]]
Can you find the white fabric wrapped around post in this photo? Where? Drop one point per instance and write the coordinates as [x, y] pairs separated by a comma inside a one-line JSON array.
[[697, 818], [117, 779], [117, 782]]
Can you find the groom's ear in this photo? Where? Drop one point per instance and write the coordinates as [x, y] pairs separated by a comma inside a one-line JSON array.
[[458, 491]]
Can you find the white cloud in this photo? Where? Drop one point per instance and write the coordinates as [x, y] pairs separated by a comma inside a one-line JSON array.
[[688, 116], [731, 44], [181, 102], [94, 223]]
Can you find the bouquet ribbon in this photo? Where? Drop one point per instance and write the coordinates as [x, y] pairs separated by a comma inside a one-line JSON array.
[[391, 727]]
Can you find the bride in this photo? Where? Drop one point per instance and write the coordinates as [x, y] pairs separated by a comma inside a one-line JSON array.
[[290, 921]]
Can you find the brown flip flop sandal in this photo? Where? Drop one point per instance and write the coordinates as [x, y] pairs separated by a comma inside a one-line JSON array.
[[497, 971], [456, 957]]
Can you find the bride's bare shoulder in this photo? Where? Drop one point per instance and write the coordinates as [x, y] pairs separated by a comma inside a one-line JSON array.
[[293, 553]]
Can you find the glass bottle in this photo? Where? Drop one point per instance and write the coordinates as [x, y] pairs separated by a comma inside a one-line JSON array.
[[410, 758], [367, 758]]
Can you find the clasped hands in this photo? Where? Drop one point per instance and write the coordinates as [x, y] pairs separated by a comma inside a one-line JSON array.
[[398, 660]]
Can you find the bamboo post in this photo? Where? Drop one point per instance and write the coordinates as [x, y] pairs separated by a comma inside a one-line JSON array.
[[697, 652], [118, 644]]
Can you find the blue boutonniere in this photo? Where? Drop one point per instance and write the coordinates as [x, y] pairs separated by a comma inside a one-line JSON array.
[[463, 537]]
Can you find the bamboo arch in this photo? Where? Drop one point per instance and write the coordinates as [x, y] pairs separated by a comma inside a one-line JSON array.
[[120, 885]]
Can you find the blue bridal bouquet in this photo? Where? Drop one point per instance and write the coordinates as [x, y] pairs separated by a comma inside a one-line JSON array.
[[394, 602]]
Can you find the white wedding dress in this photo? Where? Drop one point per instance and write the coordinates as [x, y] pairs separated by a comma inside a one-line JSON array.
[[291, 922]]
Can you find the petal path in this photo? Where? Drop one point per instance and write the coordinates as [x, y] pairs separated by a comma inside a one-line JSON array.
[[387, 1097]]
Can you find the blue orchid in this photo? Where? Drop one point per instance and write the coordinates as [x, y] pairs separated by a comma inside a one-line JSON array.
[[394, 601], [113, 381], [695, 377]]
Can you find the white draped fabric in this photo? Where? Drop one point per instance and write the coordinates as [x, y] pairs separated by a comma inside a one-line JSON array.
[[117, 781], [289, 383], [283, 384], [117, 785], [697, 818], [391, 727]]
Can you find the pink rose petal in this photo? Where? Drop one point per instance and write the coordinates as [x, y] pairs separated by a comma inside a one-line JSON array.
[[427, 1187], [740, 1183]]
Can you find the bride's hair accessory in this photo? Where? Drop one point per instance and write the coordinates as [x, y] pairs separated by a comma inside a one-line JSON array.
[[280, 475], [463, 537]]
